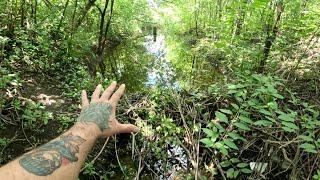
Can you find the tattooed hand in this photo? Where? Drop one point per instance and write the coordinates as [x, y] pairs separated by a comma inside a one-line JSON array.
[[101, 111]]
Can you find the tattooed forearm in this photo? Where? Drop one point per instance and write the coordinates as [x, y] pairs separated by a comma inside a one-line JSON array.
[[98, 113], [49, 157]]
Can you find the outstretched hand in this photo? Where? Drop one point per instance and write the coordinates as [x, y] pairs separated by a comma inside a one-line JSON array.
[[102, 109]]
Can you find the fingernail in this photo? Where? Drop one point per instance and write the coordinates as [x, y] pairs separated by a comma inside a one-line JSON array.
[[136, 129], [114, 82], [123, 85]]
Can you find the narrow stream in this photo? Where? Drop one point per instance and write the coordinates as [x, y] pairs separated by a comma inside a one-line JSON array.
[[162, 74], [160, 71]]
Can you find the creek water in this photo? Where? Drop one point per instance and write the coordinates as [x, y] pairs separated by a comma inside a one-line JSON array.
[[160, 73]]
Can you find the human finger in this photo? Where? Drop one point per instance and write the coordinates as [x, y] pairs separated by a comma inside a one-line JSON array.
[[84, 98], [107, 93], [118, 94], [127, 128], [96, 93]]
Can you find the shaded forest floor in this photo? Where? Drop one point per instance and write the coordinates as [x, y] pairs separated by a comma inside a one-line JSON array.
[[45, 95]]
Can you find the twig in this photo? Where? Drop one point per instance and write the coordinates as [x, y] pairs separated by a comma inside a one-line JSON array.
[[25, 135], [132, 146], [140, 161], [309, 176], [95, 158], [197, 165], [115, 147], [11, 140], [286, 156], [5, 120], [219, 168]]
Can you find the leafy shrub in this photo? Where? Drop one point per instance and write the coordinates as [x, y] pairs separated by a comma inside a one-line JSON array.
[[254, 127], [258, 109]]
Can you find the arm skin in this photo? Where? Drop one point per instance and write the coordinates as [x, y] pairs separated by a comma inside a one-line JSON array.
[[63, 157]]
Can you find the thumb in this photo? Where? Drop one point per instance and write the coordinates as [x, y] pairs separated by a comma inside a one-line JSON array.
[[127, 128]]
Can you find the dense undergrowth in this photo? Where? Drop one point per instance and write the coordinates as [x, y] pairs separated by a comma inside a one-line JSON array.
[[251, 127], [237, 109]]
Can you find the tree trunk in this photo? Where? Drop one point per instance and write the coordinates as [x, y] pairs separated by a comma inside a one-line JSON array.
[[240, 18], [63, 15], [74, 13], [271, 37], [22, 14], [83, 14]]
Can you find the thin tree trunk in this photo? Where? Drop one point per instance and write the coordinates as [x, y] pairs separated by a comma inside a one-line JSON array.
[[83, 14], [35, 12], [271, 37], [196, 14], [74, 14], [240, 18], [22, 14], [63, 15], [109, 20]]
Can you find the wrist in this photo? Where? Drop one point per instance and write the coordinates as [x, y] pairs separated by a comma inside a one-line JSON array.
[[87, 130]]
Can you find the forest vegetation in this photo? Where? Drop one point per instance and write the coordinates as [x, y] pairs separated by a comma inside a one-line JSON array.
[[221, 89]]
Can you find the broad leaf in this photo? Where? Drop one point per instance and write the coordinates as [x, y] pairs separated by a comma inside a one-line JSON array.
[[242, 126], [286, 117], [263, 111], [225, 111], [207, 142], [242, 165], [230, 144], [222, 117], [290, 125], [245, 119]]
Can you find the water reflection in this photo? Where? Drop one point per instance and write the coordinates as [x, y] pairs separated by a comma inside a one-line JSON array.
[[131, 63], [160, 71]]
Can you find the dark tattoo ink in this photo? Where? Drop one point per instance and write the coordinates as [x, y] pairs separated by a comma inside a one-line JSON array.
[[98, 113], [49, 157]]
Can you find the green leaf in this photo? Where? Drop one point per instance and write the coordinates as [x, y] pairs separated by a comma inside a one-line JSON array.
[[222, 117], [235, 106], [224, 151], [230, 144], [207, 142], [245, 119], [232, 91], [242, 126], [246, 171], [235, 136], [262, 123], [230, 173], [263, 111], [242, 165], [270, 119], [221, 148], [235, 174], [290, 125], [235, 86], [278, 96], [209, 132], [308, 147], [234, 160], [225, 163], [273, 105], [305, 138], [225, 111], [286, 117], [287, 129], [221, 128]]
